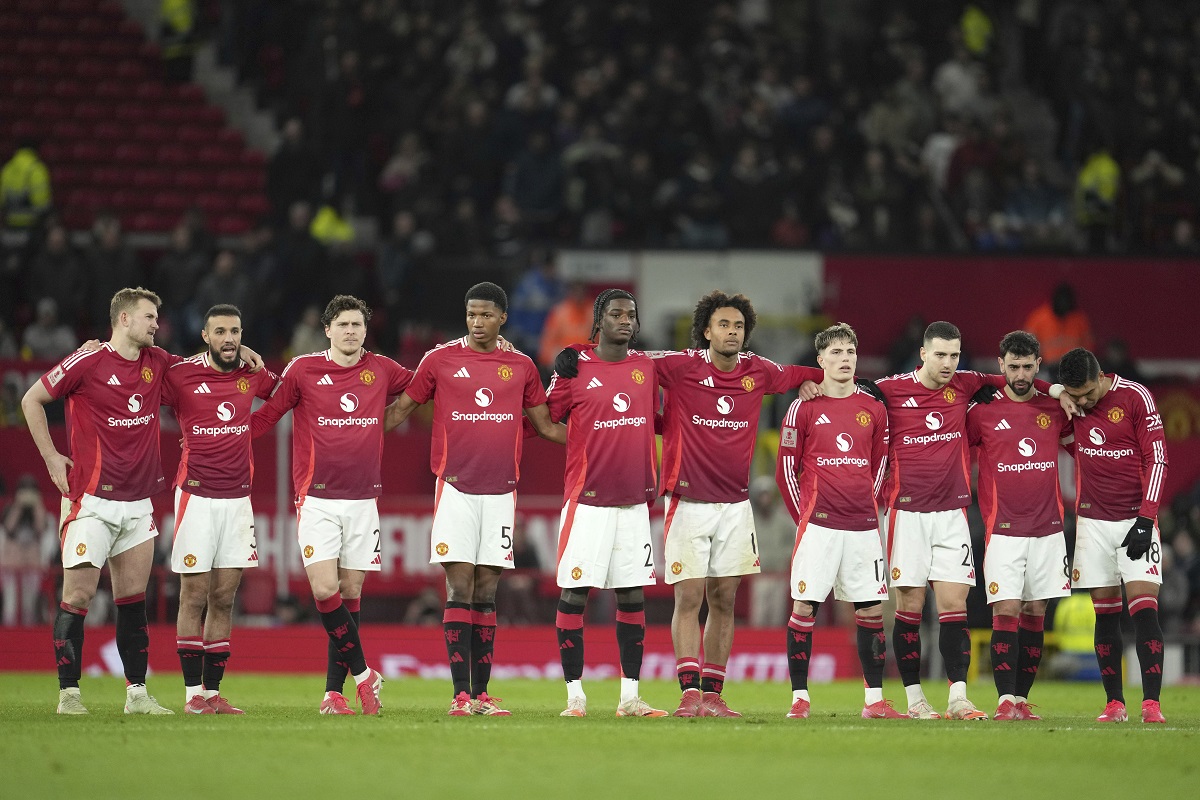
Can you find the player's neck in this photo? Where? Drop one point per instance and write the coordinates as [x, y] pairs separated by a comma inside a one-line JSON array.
[[837, 389], [928, 381], [343, 360], [1106, 382], [481, 347], [1019, 398], [723, 362], [125, 347], [217, 365], [607, 351]]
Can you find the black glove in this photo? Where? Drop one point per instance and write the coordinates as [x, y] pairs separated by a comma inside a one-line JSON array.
[[1137, 541], [566, 363], [870, 388], [985, 395]]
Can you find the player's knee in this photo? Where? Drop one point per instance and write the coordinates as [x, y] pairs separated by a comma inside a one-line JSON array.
[[631, 595], [1034, 608], [575, 597], [221, 601], [721, 600], [805, 609], [872, 609], [79, 598]]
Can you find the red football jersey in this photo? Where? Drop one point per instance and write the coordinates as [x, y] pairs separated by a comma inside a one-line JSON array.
[[337, 427], [930, 462], [213, 409], [1120, 455], [1017, 445], [710, 420], [832, 457], [610, 407], [478, 399], [112, 420]]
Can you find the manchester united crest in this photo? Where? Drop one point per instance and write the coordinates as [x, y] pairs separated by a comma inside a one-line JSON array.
[[189, 561], [1074, 575], [1043, 421], [993, 587], [81, 549], [367, 377], [949, 394], [243, 385], [505, 372], [576, 574], [1115, 415], [308, 551], [639, 377], [442, 548], [748, 383], [895, 573], [676, 568], [863, 418], [147, 374], [801, 586]]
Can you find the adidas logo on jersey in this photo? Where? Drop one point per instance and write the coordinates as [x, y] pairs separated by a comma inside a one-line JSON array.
[[202, 389], [462, 373], [1003, 426], [708, 382], [1153, 570], [253, 556], [325, 381], [909, 403], [113, 381], [822, 420], [594, 383]]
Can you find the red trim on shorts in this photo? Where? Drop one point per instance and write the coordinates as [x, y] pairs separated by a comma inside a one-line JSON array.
[[352, 604], [328, 604], [437, 494], [564, 535], [76, 507], [799, 535], [457, 615], [1004, 622], [891, 534], [1032, 622], [672, 505], [568, 622], [133, 598], [632, 617], [184, 497]]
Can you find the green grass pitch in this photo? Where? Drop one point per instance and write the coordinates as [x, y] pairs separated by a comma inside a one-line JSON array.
[[283, 749]]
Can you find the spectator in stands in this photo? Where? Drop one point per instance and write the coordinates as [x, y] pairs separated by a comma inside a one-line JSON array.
[[591, 165], [957, 81], [176, 276], [789, 230], [177, 36], [1060, 325], [569, 322], [47, 339], [1118, 361], [112, 266], [878, 197], [1036, 210], [309, 335], [293, 174], [1096, 190], [260, 264], [535, 183], [397, 267], [701, 204], [22, 530], [752, 190], [24, 187], [345, 111], [226, 283], [1183, 239], [57, 272], [401, 182], [8, 344], [532, 298], [459, 233], [769, 596], [507, 232], [301, 261]]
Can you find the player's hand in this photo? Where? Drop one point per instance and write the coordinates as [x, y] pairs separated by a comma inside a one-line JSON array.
[[566, 363], [985, 395], [58, 465], [1069, 406], [504, 345], [253, 360], [870, 388], [90, 345], [809, 390], [1137, 541]]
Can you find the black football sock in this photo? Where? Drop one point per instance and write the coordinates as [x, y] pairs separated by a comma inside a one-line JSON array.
[[906, 642], [712, 678], [688, 672], [1109, 645], [216, 656], [1031, 640], [133, 637], [1004, 654], [191, 660], [483, 644], [799, 649], [631, 637], [343, 633], [954, 640], [872, 650], [569, 626], [68, 644], [336, 668], [456, 626], [1146, 627]]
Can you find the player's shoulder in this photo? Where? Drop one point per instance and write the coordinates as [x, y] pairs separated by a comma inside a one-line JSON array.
[[752, 360], [868, 400], [899, 380], [1132, 392], [306, 362], [83, 360], [380, 361]]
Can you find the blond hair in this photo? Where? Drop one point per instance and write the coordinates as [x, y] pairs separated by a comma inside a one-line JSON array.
[[127, 300]]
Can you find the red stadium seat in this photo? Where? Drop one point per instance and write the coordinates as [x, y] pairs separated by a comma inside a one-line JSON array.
[[213, 203], [92, 69], [253, 159], [231, 138], [153, 132], [77, 219], [73, 49], [69, 176], [68, 130], [91, 27], [133, 154], [189, 180], [231, 226], [127, 200], [173, 155], [28, 87], [150, 92], [111, 91], [110, 131], [152, 221], [131, 69], [29, 129], [90, 111], [254, 205], [50, 66], [10, 25], [134, 113], [69, 89], [190, 93], [217, 156], [51, 152], [12, 65], [152, 179], [51, 109], [197, 137], [240, 180], [117, 48], [171, 202], [87, 153], [33, 47], [109, 177], [52, 25]]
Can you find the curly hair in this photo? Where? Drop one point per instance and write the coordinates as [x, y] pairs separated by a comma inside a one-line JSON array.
[[601, 301], [708, 306], [1020, 344], [344, 302], [488, 292]]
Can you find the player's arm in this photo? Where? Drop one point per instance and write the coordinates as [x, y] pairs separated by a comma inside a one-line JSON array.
[[879, 452], [539, 418], [1066, 436], [398, 411], [283, 400], [787, 463], [253, 360], [1153, 444], [33, 406]]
